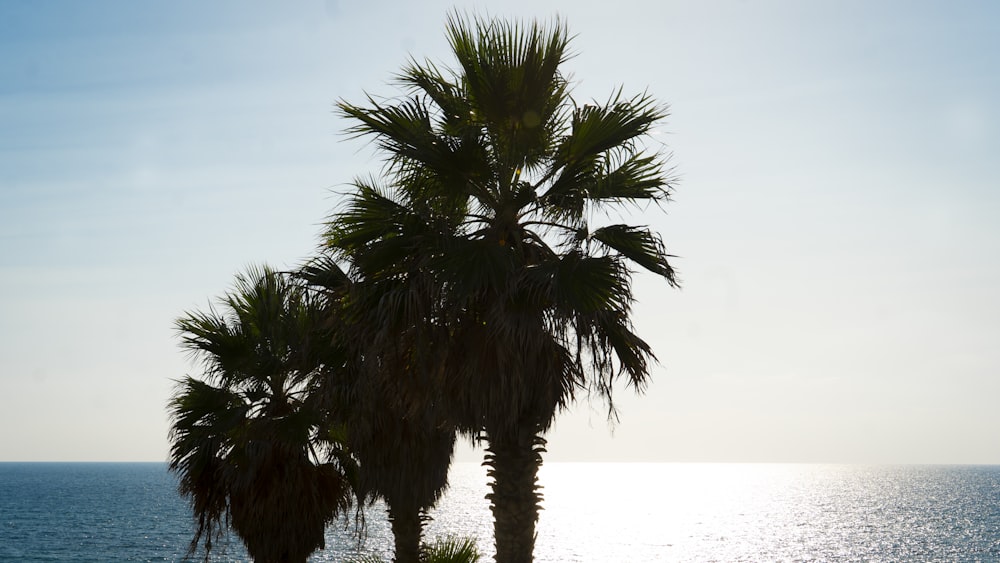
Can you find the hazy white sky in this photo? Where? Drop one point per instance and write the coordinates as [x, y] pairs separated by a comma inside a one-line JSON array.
[[837, 222]]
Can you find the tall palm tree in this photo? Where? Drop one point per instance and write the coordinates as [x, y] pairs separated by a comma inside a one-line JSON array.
[[483, 242], [404, 454], [251, 451]]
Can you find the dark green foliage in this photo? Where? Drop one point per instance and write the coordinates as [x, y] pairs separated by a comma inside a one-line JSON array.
[[451, 549]]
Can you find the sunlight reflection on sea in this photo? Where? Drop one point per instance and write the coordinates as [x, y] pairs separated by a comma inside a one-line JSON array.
[[597, 512]]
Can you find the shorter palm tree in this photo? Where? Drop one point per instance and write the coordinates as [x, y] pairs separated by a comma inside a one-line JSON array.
[[251, 450], [404, 453]]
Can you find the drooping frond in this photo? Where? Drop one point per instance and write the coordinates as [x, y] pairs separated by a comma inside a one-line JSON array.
[[206, 420], [324, 272], [640, 245]]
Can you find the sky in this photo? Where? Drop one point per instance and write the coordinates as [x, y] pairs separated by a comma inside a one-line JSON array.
[[836, 220]]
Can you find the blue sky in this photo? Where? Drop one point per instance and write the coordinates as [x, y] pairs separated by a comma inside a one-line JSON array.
[[836, 218]]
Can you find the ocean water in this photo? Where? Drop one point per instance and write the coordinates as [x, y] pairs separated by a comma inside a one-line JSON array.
[[600, 512]]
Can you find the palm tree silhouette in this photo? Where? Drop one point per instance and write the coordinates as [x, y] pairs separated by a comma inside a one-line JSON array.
[[404, 454], [250, 448], [481, 258]]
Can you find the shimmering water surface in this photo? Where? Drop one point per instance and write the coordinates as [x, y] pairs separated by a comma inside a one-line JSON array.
[[592, 512]]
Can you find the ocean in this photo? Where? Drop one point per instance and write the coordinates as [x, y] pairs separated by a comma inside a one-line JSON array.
[[593, 512]]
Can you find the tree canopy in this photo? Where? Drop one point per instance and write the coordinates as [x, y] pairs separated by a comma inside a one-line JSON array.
[[478, 286]]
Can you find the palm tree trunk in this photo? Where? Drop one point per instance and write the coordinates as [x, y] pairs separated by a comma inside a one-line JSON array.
[[407, 528], [514, 459]]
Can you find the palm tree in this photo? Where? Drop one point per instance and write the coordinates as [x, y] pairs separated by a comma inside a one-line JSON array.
[[483, 246], [404, 455], [251, 451]]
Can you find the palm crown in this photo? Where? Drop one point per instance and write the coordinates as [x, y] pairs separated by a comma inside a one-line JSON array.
[[246, 440]]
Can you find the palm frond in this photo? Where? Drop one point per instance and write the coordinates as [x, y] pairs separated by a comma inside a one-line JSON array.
[[596, 129], [616, 350], [638, 178], [512, 82], [639, 245], [323, 272], [371, 214], [589, 283], [446, 93], [451, 549]]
